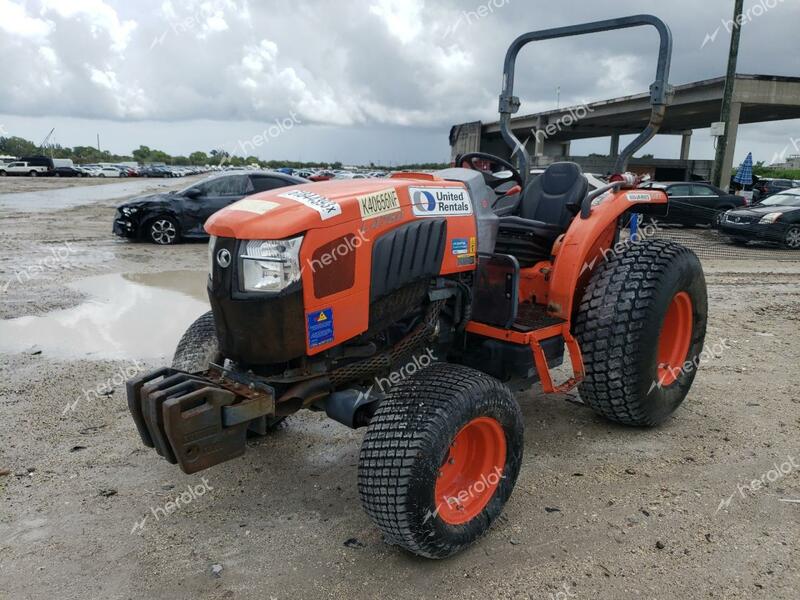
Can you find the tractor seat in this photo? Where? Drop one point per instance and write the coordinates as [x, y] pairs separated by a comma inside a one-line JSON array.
[[548, 205]]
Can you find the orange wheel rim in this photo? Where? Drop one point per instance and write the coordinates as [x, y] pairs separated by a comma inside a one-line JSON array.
[[675, 338], [471, 471]]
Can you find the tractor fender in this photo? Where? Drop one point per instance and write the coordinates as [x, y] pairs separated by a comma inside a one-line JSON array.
[[591, 240]]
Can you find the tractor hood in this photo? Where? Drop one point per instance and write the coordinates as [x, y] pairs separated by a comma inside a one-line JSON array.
[[286, 212]]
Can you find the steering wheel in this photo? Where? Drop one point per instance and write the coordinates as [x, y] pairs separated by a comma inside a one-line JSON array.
[[469, 160]]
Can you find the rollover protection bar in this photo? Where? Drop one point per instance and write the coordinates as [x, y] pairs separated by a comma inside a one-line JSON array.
[[660, 90]]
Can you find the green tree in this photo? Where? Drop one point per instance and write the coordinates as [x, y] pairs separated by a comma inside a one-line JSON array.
[[198, 158], [141, 154], [17, 146]]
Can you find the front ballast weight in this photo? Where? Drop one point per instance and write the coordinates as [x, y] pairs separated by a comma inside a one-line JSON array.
[[197, 421]]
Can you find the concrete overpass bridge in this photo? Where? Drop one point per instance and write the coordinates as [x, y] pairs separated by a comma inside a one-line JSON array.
[[547, 135]]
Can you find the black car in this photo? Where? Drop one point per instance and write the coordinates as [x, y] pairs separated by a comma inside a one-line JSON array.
[[156, 171], [169, 217], [766, 187], [69, 172], [775, 219], [696, 203]]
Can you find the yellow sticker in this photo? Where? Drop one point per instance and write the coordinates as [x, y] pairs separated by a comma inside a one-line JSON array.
[[252, 205], [473, 245], [378, 204], [322, 317]]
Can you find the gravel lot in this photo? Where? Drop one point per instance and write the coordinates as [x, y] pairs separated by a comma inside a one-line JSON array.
[[599, 511]]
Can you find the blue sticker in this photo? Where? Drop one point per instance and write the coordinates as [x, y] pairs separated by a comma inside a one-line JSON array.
[[320, 327], [460, 246]]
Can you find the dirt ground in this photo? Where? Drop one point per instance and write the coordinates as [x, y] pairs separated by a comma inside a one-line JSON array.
[[599, 511], [13, 184]]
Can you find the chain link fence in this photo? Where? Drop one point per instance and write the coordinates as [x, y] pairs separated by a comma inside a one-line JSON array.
[[710, 243]]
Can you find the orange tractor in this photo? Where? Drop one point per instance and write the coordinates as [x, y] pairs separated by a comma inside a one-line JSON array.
[[414, 305]]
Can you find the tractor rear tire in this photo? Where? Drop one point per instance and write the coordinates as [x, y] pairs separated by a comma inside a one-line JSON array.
[[641, 326], [440, 458], [199, 347]]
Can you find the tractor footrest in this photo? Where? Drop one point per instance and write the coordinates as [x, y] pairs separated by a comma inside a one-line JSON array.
[[191, 420], [576, 360]]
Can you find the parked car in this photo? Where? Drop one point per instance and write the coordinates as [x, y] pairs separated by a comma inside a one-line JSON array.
[[776, 219], [42, 161], [764, 188], [167, 218], [155, 171], [322, 176], [110, 172], [21, 167], [696, 203], [67, 171]]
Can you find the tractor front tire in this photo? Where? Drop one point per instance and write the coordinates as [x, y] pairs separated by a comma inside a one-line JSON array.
[[199, 347], [641, 326], [440, 458]]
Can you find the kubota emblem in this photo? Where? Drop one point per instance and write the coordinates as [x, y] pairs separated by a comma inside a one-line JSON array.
[[224, 258]]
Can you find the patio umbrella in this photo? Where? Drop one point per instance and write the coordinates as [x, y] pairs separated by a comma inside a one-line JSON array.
[[744, 175]]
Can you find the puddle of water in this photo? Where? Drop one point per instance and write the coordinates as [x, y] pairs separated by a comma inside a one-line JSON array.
[[131, 315], [78, 195]]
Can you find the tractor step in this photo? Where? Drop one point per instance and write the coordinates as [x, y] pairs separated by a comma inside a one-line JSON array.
[[194, 420]]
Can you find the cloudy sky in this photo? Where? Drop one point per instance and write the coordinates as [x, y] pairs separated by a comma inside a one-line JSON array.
[[354, 80]]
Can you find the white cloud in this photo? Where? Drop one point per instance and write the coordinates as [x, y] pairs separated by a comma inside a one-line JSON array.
[[101, 18], [15, 21], [357, 64], [403, 18]]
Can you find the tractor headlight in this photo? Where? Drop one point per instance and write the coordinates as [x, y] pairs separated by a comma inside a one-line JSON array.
[[770, 218], [212, 241], [270, 265]]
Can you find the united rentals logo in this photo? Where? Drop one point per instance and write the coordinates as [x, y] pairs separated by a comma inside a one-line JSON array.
[[440, 202]]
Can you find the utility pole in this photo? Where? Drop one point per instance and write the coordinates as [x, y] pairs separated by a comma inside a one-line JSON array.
[[727, 96], [98, 142]]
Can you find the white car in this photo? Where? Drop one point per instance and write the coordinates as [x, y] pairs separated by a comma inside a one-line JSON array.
[[109, 172], [22, 168]]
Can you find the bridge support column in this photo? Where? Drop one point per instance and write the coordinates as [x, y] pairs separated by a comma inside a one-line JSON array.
[[614, 150], [686, 142], [730, 150]]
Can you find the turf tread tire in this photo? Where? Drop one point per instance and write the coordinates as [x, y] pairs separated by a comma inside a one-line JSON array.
[[617, 326], [198, 347], [408, 438]]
